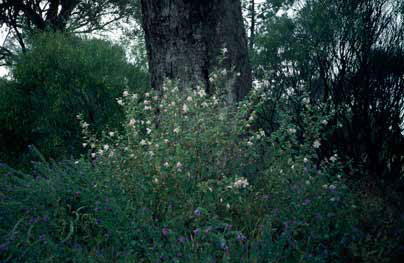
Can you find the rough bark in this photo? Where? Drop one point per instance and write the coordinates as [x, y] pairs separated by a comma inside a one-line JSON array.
[[184, 40]]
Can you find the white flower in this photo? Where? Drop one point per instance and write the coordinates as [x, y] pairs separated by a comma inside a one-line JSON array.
[[201, 93], [132, 122], [134, 96], [228, 206], [148, 130], [306, 100], [147, 108], [166, 164], [241, 183], [148, 122], [189, 98], [262, 133], [143, 142], [111, 134], [332, 187], [92, 145], [84, 145], [106, 147], [166, 140], [93, 155], [100, 152], [178, 165], [147, 94], [85, 125], [185, 108], [308, 182], [333, 199], [146, 102], [238, 74], [305, 160], [316, 144], [151, 153], [333, 158], [125, 93], [249, 143], [120, 102], [292, 130], [176, 130], [325, 186], [205, 104], [324, 122], [224, 50], [215, 100]]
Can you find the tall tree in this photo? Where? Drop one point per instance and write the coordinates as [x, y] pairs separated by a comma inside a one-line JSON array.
[[185, 38]]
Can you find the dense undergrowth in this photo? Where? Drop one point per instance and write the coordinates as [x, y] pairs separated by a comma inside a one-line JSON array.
[[191, 179]]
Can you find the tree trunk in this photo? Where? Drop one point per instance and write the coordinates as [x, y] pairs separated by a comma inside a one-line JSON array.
[[184, 40]]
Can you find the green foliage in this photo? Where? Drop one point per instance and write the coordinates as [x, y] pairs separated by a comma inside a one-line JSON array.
[[346, 56], [59, 77], [189, 180]]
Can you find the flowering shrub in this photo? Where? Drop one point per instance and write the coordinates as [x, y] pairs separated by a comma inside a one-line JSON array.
[[190, 179]]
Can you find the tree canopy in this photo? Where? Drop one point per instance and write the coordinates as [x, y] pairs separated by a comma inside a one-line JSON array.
[[20, 18]]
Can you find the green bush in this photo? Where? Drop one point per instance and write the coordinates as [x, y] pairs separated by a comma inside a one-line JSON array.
[[59, 77], [189, 180]]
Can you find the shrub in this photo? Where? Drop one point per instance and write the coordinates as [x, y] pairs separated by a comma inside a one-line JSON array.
[[190, 180], [60, 76]]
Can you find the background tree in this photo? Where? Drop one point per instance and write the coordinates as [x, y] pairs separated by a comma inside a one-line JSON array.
[[184, 40], [59, 77], [20, 18], [347, 56]]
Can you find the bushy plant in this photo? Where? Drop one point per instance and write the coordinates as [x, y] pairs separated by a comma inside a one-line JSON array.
[[190, 179], [59, 76]]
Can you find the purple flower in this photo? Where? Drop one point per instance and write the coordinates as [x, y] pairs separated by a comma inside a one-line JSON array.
[[45, 219], [32, 220], [240, 236], [196, 231], [319, 216], [306, 202], [228, 227], [208, 229], [165, 231], [181, 239], [97, 221], [198, 212], [97, 209], [42, 237], [3, 247]]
